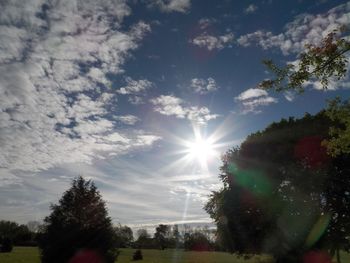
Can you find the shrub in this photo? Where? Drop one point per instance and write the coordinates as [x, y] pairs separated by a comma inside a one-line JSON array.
[[7, 245], [137, 255]]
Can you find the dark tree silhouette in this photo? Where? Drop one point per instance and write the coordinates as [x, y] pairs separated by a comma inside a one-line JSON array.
[[162, 236], [283, 194], [78, 222], [124, 236]]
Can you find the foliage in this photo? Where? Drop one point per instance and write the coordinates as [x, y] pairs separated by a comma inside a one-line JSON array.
[[282, 192], [137, 255], [197, 241], [19, 234], [320, 63], [79, 221], [144, 240], [6, 245], [339, 141], [124, 236], [162, 236]]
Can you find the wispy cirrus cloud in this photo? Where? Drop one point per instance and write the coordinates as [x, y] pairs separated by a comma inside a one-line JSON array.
[[54, 90], [252, 99], [173, 106]]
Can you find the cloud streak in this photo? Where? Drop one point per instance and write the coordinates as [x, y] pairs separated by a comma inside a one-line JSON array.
[[252, 99]]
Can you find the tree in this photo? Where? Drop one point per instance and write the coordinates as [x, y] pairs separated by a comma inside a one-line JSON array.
[[78, 222], [18, 234], [162, 235], [124, 236], [324, 62], [282, 193], [339, 141], [144, 240], [319, 62], [197, 241]]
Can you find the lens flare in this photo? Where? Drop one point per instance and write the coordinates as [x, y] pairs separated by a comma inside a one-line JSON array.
[[318, 229]]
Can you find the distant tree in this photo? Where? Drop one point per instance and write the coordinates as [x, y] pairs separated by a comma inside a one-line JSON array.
[[124, 236], [161, 236], [18, 234], [144, 239], [282, 193], [78, 222], [196, 241], [175, 239]]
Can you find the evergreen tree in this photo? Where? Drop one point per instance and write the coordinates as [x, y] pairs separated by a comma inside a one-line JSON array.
[[78, 222]]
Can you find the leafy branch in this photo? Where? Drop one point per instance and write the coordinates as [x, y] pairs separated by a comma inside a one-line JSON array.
[[320, 63]]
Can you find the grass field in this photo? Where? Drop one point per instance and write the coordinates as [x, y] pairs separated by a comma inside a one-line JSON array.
[[31, 255]]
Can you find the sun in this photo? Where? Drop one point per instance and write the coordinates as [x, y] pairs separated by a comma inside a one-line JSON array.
[[201, 149]]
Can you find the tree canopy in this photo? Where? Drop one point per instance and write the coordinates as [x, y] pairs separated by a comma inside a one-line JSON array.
[[78, 222], [282, 193], [319, 63]]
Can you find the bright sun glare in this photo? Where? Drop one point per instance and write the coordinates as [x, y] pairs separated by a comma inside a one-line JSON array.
[[201, 149]]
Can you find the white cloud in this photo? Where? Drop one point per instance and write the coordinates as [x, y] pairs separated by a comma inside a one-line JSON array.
[[127, 119], [54, 91], [204, 23], [168, 6], [251, 93], [289, 95], [305, 29], [252, 99], [203, 86], [251, 9], [135, 86], [173, 106], [211, 42], [136, 100]]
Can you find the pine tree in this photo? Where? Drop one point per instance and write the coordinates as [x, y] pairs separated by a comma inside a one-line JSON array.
[[78, 222]]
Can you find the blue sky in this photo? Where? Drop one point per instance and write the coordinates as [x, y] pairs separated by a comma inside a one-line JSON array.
[[117, 90]]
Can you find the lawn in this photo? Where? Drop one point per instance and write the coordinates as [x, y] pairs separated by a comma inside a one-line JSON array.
[[31, 255]]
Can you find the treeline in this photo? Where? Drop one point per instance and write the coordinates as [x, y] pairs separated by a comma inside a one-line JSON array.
[[183, 237], [12, 233], [164, 236]]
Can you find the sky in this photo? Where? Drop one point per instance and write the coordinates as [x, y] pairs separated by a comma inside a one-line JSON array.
[[143, 97]]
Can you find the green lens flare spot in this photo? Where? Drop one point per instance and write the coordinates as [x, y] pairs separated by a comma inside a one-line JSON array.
[[318, 230]]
